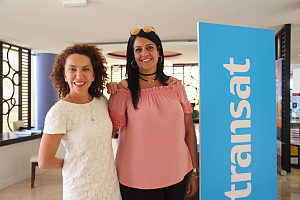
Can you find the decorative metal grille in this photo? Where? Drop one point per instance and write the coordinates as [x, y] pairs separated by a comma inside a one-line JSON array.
[[16, 85], [283, 48], [189, 74]]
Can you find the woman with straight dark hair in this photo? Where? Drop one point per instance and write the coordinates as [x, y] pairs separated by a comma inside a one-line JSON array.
[[157, 151]]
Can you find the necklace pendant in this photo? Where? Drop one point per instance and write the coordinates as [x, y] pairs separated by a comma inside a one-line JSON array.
[[151, 82]]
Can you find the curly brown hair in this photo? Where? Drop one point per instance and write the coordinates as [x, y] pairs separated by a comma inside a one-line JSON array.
[[97, 60]]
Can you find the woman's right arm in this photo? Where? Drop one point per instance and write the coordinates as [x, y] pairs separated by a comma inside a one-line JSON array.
[[115, 86], [47, 151]]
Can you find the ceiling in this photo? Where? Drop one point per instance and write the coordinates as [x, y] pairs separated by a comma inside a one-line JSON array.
[[48, 27]]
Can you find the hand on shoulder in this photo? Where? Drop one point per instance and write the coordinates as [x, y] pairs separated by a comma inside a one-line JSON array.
[[113, 86], [120, 86]]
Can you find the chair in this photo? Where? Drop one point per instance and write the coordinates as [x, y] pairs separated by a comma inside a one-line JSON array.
[[18, 124], [34, 157], [34, 164]]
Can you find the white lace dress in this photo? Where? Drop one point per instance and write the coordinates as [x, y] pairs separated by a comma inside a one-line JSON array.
[[89, 170]]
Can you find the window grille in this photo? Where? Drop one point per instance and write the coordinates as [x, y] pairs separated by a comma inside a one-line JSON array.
[[283, 51], [15, 85]]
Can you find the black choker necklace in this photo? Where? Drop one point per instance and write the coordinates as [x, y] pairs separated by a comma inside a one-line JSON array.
[[147, 74], [151, 82]]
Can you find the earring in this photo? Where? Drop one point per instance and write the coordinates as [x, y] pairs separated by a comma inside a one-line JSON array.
[[159, 61], [134, 66]]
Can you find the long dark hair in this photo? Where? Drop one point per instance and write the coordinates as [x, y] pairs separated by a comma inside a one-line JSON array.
[[133, 73]]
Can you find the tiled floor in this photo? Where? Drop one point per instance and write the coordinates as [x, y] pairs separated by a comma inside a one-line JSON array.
[[48, 186], [289, 185]]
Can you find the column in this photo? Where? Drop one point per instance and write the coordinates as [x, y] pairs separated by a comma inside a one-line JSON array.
[[45, 94]]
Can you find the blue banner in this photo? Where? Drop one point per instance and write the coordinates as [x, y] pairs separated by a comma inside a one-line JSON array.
[[237, 113]]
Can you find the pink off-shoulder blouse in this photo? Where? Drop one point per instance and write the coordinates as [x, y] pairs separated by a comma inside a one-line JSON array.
[[152, 152]]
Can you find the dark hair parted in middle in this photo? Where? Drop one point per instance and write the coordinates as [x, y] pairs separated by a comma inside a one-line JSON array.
[[97, 60], [133, 73]]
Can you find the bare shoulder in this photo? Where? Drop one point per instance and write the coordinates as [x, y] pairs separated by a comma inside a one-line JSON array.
[[173, 80], [177, 80]]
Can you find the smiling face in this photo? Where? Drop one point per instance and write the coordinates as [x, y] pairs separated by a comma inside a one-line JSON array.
[[79, 73], [146, 54]]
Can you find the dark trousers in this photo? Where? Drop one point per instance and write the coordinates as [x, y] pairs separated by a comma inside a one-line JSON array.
[[173, 192]]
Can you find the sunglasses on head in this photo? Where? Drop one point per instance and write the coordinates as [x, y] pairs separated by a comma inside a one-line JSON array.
[[146, 29]]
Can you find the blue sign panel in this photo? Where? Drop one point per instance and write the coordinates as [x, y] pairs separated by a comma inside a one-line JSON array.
[[238, 113]]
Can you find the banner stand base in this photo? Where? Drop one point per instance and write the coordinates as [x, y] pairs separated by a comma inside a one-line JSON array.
[[281, 171]]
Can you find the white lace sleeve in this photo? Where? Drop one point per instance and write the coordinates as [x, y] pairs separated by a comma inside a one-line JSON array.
[[56, 119]]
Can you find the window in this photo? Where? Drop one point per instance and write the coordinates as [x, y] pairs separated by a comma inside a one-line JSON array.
[[15, 85]]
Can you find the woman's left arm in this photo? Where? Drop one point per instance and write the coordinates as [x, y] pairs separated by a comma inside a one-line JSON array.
[[191, 141]]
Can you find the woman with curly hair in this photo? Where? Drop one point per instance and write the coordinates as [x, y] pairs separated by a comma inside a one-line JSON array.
[[81, 121]]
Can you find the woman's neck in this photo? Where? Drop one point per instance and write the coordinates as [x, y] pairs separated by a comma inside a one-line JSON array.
[[80, 98], [147, 74]]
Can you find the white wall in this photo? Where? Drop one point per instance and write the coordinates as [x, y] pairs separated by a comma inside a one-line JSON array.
[[296, 80], [294, 66], [15, 163]]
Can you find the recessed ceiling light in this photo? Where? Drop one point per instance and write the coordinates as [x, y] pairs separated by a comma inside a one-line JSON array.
[[75, 3]]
